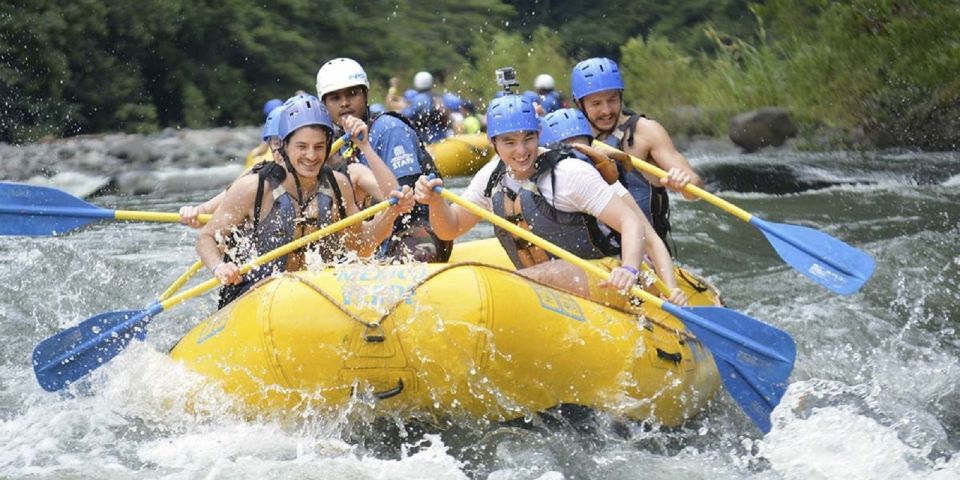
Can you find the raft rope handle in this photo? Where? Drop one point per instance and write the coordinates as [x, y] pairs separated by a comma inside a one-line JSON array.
[[641, 317], [379, 335]]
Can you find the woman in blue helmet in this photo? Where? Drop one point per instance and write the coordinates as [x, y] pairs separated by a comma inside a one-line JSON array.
[[597, 89], [568, 126], [281, 201], [370, 183], [552, 193]]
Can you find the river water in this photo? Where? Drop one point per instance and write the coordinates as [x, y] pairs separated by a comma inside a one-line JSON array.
[[875, 392]]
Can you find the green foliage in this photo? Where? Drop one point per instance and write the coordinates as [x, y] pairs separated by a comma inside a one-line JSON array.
[[541, 54], [600, 28], [99, 65], [886, 67], [658, 76]]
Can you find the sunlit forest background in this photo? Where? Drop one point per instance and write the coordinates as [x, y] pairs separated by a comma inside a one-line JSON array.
[[886, 70]]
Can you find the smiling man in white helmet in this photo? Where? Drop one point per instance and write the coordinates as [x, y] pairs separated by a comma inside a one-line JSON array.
[[343, 87]]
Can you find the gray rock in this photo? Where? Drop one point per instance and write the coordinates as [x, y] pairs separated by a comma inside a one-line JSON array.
[[130, 159], [768, 126], [687, 120], [131, 149], [137, 182]]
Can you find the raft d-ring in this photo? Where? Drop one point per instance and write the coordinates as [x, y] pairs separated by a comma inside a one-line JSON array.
[[393, 392], [374, 333]]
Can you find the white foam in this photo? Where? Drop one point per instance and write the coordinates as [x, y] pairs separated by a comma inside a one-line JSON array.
[[250, 451], [834, 442], [75, 183]]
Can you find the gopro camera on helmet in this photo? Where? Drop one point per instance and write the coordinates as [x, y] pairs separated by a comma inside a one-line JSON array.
[[507, 78]]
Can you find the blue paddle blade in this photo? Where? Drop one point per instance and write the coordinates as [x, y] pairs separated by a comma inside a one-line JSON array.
[[743, 390], [29, 210], [824, 259], [67, 356], [754, 359]]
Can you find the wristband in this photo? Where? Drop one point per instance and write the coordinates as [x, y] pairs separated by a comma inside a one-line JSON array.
[[633, 271]]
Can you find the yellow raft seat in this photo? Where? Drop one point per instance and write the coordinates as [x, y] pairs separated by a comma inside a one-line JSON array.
[[451, 340]]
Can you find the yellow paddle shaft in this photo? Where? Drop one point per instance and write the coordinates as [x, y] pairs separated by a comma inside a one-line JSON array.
[[181, 280], [540, 242], [657, 282], [337, 144], [132, 215], [281, 251], [691, 189]]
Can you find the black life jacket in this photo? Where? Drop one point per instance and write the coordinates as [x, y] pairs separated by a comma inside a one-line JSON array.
[[576, 232], [279, 227], [654, 201]]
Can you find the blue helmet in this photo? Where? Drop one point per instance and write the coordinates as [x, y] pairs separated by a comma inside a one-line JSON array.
[[271, 104], [302, 96], [272, 126], [511, 113], [408, 94], [595, 75], [452, 101], [422, 103], [550, 102], [500, 94], [532, 96], [563, 124], [303, 113], [376, 109]]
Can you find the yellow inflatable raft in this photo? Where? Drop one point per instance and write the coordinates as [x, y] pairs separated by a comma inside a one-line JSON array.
[[259, 154], [459, 339], [461, 155]]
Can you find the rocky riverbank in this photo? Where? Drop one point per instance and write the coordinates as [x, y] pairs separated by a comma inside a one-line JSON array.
[[183, 160], [170, 161]]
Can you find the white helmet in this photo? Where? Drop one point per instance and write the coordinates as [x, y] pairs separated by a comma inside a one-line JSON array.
[[422, 81], [340, 73], [543, 82]]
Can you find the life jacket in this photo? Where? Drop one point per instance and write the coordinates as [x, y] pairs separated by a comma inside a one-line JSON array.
[[412, 232], [279, 226], [654, 201], [576, 232]]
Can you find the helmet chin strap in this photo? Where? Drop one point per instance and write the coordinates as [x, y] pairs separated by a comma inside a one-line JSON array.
[[366, 107], [296, 177]]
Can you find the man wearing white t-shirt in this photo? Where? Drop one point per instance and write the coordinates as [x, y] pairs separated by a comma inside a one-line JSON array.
[[558, 197]]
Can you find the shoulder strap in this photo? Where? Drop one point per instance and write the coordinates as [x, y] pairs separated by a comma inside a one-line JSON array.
[[327, 173], [266, 171], [546, 162], [498, 172], [625, 132]]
